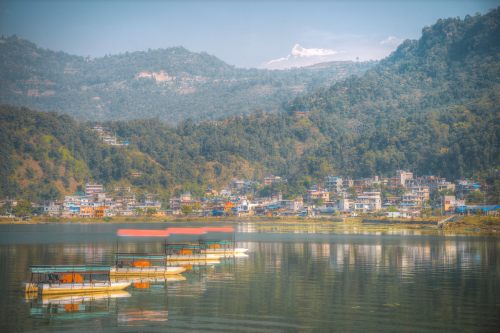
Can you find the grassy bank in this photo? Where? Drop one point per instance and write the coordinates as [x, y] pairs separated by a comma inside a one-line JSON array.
[[485, 224], [369, 224]]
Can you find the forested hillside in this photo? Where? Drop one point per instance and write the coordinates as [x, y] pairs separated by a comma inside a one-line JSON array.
[[431, 107], [171, 84]]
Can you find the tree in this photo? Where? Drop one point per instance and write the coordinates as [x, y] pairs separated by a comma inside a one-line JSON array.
[[476, 197], [186, 210], [392, 209], [318, 202], [6, 209], [23, 208]]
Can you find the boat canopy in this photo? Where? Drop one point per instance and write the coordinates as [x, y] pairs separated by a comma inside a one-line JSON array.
[[219, 242], [133, 256], [47, 269], [186, 246], [142, 233], [186, 231], [171, 231], [218, 229]]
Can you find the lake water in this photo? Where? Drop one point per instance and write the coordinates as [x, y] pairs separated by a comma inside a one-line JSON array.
[[296, 279]]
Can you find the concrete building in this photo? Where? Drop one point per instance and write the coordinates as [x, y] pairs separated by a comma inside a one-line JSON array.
[[334, 184], [53, 209], [404, 177], [368, 202], [93, 188]]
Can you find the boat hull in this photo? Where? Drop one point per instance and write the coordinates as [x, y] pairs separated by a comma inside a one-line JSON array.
[[145, 271], [225, 252], [192, 257], [86, 287], [82, 297]]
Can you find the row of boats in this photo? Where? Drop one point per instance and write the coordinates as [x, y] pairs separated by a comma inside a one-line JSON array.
[[71, 279]]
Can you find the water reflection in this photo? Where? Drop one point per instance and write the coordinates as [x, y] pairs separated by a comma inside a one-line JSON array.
[[74, 307], [289, 282]]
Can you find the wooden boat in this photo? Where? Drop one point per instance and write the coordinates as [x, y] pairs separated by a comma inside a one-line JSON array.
[[70, 279], [149, 279], [193, 257], [140, 264], [188, 252], [83, 297], [223, 248], [146, 271], [222, 252], [189, 263]]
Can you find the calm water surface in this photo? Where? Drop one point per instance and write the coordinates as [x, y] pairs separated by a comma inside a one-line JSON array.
[[295, 279]]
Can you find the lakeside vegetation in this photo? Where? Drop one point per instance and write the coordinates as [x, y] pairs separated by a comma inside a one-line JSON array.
[[465, 224]]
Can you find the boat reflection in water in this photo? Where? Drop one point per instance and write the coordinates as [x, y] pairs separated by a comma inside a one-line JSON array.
[[76, 305], [142, 317], [138, 282]]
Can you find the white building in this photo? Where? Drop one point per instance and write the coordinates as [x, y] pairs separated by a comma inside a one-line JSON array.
[[93, 188], [334, 184], [368, 202], [53, 209]]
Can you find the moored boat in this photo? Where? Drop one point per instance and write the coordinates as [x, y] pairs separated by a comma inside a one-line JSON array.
[[196, 257], [225, 252], [140, 264], [83, 297], [146, 271], [70, 279]]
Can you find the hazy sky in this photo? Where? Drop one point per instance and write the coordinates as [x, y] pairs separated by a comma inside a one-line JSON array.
[[242, 33]]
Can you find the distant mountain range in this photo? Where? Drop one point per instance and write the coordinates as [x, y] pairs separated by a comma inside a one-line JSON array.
[[432, 107], [170, 84]]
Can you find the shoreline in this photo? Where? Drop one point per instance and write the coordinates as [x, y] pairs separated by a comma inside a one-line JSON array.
[[483, 225]]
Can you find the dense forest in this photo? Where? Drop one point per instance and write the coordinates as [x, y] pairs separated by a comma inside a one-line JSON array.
[[431, 107], [172, 84]]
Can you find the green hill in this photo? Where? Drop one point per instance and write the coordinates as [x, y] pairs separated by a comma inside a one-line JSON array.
[[431, 107], [171, 84]]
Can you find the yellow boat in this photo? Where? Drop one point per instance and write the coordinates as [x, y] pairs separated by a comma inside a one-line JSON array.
[[149, 279], [146, 271], [59, 279], [140, 264], [193, 257], [223, 252], [83, 297]]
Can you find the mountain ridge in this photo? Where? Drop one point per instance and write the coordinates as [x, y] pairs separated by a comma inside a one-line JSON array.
[[171, 84]]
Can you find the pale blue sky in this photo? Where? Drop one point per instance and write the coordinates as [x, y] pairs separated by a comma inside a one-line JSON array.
[[242, 33]]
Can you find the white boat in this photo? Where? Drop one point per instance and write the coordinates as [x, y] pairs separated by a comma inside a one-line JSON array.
[[55, 280], [146, 271], [85, 287], [192, 257], [189, 263], [149, 279], [224, 252], [143, 264], [83, 297]]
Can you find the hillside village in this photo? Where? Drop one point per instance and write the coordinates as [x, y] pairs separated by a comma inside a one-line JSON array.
[[401, 196]]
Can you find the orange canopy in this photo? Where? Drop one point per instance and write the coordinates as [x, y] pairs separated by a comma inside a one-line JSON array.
[[218, 229], [142, 233], [186, 231]]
